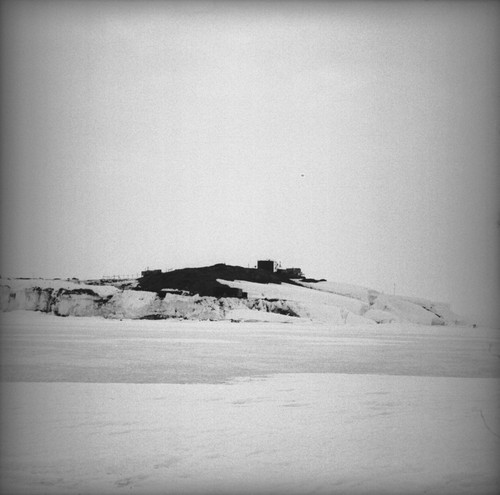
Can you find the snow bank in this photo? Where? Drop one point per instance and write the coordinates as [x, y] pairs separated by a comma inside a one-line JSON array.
[[194, 307], [440, 309], [71, 303], [321, 301], [63, 302], [406, 310], [381, 316], [298, 294], [66, 298], [385, 308], [131, 304], [32, 299], [308, 303]]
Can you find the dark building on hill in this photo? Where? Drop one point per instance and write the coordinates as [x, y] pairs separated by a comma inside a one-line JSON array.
[[267, 265], [145, 273]]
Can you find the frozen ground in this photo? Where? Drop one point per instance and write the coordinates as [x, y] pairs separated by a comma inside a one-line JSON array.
[[103, 406]]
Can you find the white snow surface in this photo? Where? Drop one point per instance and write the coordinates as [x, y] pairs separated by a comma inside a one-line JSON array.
[[344, 303], [93, 406], [295, 293], [405, 310], [386, 308], [308, 303], [291, 433]]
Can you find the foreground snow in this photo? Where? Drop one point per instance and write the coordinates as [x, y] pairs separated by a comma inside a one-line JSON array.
[[293, 433], [227, 407]]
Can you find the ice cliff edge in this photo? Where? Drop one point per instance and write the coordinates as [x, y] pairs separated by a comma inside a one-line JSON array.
[[318, 301]]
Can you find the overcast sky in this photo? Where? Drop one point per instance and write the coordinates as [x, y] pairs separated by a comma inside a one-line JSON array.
[[359, 141]]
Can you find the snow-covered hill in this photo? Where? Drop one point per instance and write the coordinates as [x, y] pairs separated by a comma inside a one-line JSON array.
[[318, 301], [345, 303]]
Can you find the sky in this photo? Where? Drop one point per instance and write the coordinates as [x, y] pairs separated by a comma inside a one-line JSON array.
[[356, 140]]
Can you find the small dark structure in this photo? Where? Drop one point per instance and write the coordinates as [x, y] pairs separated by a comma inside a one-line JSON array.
[[267, 265], [148, 272]]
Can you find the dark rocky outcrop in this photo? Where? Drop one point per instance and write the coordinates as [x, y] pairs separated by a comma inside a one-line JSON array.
[[203, 281]]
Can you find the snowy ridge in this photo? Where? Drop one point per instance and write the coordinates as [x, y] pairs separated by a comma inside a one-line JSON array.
[[326, 302], [345, 303], [348, 290]]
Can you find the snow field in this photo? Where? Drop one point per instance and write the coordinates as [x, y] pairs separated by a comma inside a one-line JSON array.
[[93, 406], [291, 433], [43, 347]]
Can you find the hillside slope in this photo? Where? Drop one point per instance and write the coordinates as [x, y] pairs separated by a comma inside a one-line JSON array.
[[339, 304]]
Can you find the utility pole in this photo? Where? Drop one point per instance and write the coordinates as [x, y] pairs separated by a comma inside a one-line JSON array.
[[394, 289]]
